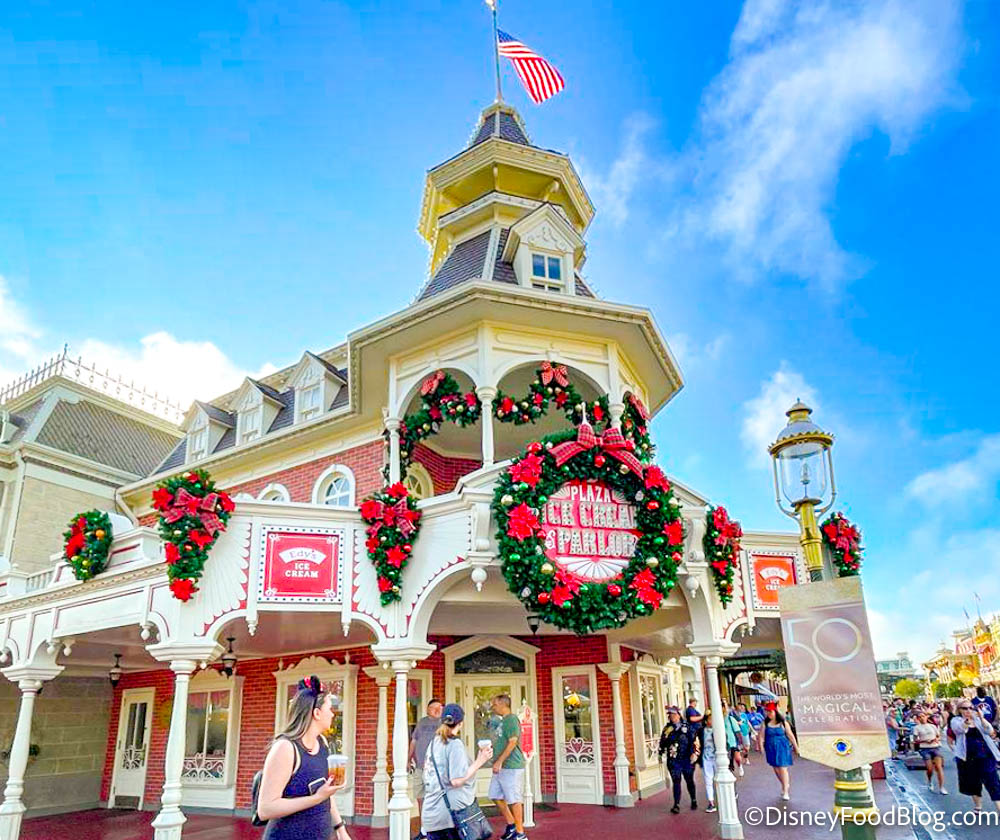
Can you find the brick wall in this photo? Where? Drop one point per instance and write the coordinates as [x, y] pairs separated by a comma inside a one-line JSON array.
[[444, 471]]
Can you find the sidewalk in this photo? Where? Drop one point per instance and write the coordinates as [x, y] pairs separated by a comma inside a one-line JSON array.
[[812, 790]]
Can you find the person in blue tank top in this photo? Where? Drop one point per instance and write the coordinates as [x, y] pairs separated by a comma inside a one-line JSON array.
[[296, 797], [778, 741]]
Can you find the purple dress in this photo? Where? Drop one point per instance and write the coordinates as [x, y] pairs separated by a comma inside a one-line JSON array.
[[315, 823]]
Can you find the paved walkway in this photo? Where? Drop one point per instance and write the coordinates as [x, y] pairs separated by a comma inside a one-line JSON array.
[[812, 790]]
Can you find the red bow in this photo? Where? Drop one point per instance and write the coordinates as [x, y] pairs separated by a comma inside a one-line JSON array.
[[548, 372], [398, 514], [202, 507], [611, 441], [639, 406], [431, 383]]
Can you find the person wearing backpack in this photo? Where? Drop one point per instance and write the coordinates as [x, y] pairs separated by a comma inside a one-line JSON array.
[[449, 810], [295, 796]]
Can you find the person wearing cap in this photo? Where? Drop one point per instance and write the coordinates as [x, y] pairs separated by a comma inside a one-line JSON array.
[[448, 763], [778, 742], [679, 743]]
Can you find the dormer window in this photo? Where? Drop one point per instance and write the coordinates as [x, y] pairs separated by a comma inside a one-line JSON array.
[[250, 424], [311, 404], [546, 273], [198, 443]]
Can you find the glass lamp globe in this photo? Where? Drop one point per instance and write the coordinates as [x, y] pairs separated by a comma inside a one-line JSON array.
[[803, 469]]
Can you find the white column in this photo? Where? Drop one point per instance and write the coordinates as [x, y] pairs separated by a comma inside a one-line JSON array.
[[486, 396], [381, 779], [730, 827], [392, 424], [12, 809], [168, 823], [616, 410], [400, 805], [615, 672]]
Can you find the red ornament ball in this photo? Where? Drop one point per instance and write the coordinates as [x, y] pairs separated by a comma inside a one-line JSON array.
[[599, 460], [544, 598], [652, 504], [614, 590], [534, 447]]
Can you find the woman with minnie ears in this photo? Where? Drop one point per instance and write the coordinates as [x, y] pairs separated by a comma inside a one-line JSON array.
[[296, 797], [777, 740]]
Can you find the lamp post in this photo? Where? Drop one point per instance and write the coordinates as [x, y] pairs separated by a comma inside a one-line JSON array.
[[803, 477]]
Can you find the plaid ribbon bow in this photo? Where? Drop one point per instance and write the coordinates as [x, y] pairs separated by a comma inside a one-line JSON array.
[[201, 507], [398, 514], [611, 441], [559, 373]]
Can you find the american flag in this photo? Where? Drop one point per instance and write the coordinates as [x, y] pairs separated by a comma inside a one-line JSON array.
[[539, 78]]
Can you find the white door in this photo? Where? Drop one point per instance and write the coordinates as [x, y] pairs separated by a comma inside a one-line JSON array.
[[132, 749], [577, 736], [473, 694]]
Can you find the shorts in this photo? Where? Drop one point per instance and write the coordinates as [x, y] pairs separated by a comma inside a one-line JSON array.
[[930, 753], [508, 785], [417, 783]]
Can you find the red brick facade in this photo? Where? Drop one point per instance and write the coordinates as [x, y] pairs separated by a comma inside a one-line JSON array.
[[258, 710], [444, 471]]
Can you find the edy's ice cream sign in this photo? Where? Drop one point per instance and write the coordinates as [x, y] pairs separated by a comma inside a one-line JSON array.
[[771, 573], [301, 566], [589, 530]]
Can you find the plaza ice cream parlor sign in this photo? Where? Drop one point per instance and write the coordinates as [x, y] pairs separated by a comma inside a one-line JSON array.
[[301, 566]]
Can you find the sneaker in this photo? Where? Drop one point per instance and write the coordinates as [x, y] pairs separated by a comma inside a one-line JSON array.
[[785, 796], [930, 786], [711, 809], [509, 833], [520, 836], [943, 792], [694, 805], [741, 771]]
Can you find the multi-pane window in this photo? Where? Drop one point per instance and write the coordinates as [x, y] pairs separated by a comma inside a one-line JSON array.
[[207, 735], [649, 707], [310, 405], [197, 443], [335, 734], [338, 491], [250, 421], [546, 273]]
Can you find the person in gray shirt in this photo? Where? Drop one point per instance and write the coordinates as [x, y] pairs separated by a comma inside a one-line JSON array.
[[423, 734]]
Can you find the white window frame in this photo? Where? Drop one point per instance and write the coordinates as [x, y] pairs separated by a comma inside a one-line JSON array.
[[646, 760], [205, 682], [327, 671], [546, 282], [313, 388], [319, 488], [247, 434], [425, 679], [416, 474], [200, 427], [278, 490]]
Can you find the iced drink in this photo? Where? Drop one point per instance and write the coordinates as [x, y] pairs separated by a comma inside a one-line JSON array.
[[337, 768]]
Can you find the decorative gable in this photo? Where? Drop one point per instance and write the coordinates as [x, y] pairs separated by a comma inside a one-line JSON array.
[[205, 425], [545, 250], [316, 384], [255, 407]]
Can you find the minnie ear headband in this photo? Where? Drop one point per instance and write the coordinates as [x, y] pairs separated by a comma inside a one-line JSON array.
[[770, 707], [311, 686]]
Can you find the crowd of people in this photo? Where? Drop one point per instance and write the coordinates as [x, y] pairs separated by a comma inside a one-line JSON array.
[[686, 744], [969, 728]]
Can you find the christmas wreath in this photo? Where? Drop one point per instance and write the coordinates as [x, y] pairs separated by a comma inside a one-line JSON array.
[[87, 543], [597, 481], [635, 427], [722, 550], [192, 515], [551, 384], [393, 524], [844, 541], [441, 399]]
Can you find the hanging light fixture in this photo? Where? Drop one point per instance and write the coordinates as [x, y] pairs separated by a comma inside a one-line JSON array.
[[229, 658], [115, 672], [534, 621]]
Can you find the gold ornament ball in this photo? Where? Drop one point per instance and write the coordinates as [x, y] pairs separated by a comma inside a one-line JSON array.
[[652, 562], [506, 500], [622, 469], [547, 569], [99, 533]]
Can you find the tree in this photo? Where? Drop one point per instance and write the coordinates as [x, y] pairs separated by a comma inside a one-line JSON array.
[[938, 689], [954, 689], [908, 689]]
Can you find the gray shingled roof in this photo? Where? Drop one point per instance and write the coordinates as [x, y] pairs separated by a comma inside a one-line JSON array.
[[508, 130], [93, 432], [343, 395], [286, 414], [503, 272], [23, 419], [464, 263], [175, 459], [582, 288], [217, 414]]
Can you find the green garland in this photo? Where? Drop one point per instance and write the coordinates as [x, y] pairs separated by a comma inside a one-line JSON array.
[[88, 543], [635, 427], [843, 539], [560, 598], [393, 526], [441, 400], [722, 550], [192, 515]]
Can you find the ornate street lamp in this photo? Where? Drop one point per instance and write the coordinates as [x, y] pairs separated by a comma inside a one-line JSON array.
[[803, 475], [229, 658]]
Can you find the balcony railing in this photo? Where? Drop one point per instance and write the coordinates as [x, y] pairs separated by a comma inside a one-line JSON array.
[[106, 383]]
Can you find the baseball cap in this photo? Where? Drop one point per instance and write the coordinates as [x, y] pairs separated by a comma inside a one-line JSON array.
[[452, 714]]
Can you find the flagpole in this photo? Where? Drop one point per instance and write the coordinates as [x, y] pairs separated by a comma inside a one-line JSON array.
[[496, 46]]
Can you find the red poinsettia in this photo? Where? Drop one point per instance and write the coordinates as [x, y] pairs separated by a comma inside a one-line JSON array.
[[645, 588], [521, 522], [561, 595], [397, 490], [395, 556], [655, 478], [597, 413], [162, 498], [537, 398], [182, 588], [384, 584], [201, 538], [171, 553], [370, 509], [371, 544], [674, 532], [435, 413], [226, 503], [720, 517], [471, 400], [528, 470], [507, 405], [561, 398]]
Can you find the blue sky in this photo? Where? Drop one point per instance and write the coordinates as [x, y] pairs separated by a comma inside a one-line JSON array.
[[804, 194]]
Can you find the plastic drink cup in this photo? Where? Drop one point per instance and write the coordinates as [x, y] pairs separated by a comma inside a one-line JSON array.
[[337, 768], [483, 743]]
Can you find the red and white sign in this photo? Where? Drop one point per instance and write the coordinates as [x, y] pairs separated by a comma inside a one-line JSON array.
[[301, 566], [589, 530], [527, 740], [771, 573]]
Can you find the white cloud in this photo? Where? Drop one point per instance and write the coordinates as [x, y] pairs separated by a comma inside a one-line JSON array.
[[764, 415], [612, 192], [805, 82], [174, 368], [961, 480], [689, 353]]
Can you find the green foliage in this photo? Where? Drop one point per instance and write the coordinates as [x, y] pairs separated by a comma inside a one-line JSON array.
[[843, 541], [560, 598], [87, 543], [722, 549], [908, 689], [954, 689], [393, 526]]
